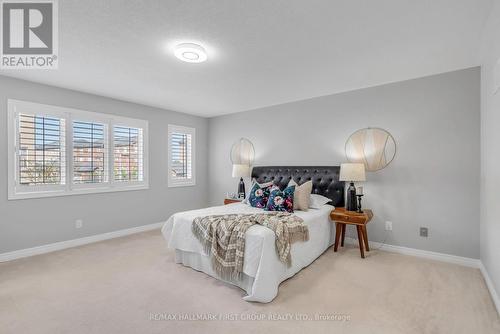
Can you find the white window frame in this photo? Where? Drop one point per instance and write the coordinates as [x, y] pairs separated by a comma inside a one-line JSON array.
[[17, 191], [187, 130]]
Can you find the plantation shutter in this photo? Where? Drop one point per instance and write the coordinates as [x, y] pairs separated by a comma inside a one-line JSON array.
[[181, 156], [41, 150], [89, 152], [128, 154]]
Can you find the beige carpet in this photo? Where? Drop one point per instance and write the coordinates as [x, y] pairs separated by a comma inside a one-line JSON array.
[[116, 286]]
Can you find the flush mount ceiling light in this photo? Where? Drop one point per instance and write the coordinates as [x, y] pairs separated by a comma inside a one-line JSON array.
[[191, 53]]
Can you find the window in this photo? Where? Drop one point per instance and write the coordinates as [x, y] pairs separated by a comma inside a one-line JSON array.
[[181, 167], [128, 154], [89, 152], [41, 150], [56, 151]]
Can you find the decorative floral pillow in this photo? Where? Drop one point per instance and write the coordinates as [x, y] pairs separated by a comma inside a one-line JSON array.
[[259, 195], [281, 200]]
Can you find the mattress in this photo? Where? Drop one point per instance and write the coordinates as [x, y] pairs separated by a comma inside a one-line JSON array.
[[262, 269]]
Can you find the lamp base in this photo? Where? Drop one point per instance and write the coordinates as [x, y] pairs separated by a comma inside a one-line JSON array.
[[351, 204], [241, 189]]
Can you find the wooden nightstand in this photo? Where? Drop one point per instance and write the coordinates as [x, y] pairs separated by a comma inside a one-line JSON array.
[[232, 200], [342, 217]]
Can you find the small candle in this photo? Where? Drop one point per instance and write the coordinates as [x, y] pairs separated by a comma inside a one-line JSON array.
[[359, 191]]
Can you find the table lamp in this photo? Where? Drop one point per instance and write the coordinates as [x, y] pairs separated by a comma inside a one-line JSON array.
[[352, 172], [241, 171], [242, 156]]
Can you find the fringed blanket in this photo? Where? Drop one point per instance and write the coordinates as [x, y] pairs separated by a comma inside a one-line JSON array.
[[223, 236]]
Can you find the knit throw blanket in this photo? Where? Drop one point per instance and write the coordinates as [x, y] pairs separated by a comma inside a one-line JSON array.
[[223, 236]]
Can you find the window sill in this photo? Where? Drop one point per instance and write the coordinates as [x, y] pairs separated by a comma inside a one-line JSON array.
[[185, 184], [81, 191]]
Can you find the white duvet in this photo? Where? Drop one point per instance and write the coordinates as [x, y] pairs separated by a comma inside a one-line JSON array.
[[263, 271]]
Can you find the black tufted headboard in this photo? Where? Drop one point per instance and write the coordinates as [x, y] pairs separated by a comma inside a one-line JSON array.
[[325, 179]]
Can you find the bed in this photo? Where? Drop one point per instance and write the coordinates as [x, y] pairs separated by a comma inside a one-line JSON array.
[[262, 270]]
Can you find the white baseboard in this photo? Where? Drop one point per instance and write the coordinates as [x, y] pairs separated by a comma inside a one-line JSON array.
[[463, 261], [75, 242], [491, 287]]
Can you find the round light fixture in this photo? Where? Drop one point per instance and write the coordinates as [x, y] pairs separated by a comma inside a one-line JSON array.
[[373, 147], [242, 152], [191, 53]]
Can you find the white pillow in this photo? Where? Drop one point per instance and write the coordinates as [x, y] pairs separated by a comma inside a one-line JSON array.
[[301, 196], [317, 201]]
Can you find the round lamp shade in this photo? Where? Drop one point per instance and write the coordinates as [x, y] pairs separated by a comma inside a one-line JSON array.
[[373, 147], [242, 152]]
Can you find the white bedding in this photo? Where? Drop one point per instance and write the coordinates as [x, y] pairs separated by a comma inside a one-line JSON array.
[[263, 271]]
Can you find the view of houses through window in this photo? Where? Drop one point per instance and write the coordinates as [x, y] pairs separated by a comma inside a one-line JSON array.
[[89, 152], [127, 153], [41, 150]]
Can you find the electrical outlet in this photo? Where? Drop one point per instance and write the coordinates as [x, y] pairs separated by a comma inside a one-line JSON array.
[[78, 223], [388, 226], [424, 232]]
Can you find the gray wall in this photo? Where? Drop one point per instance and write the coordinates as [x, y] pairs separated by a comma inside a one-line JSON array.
[[433, 181], [33, 222], [490, 154]]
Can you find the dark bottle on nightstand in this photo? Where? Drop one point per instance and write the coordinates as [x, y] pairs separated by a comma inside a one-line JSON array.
[[241, 189], [351, 198]]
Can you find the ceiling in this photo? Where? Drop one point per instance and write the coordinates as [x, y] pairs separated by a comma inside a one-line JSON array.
[[261, 52]]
